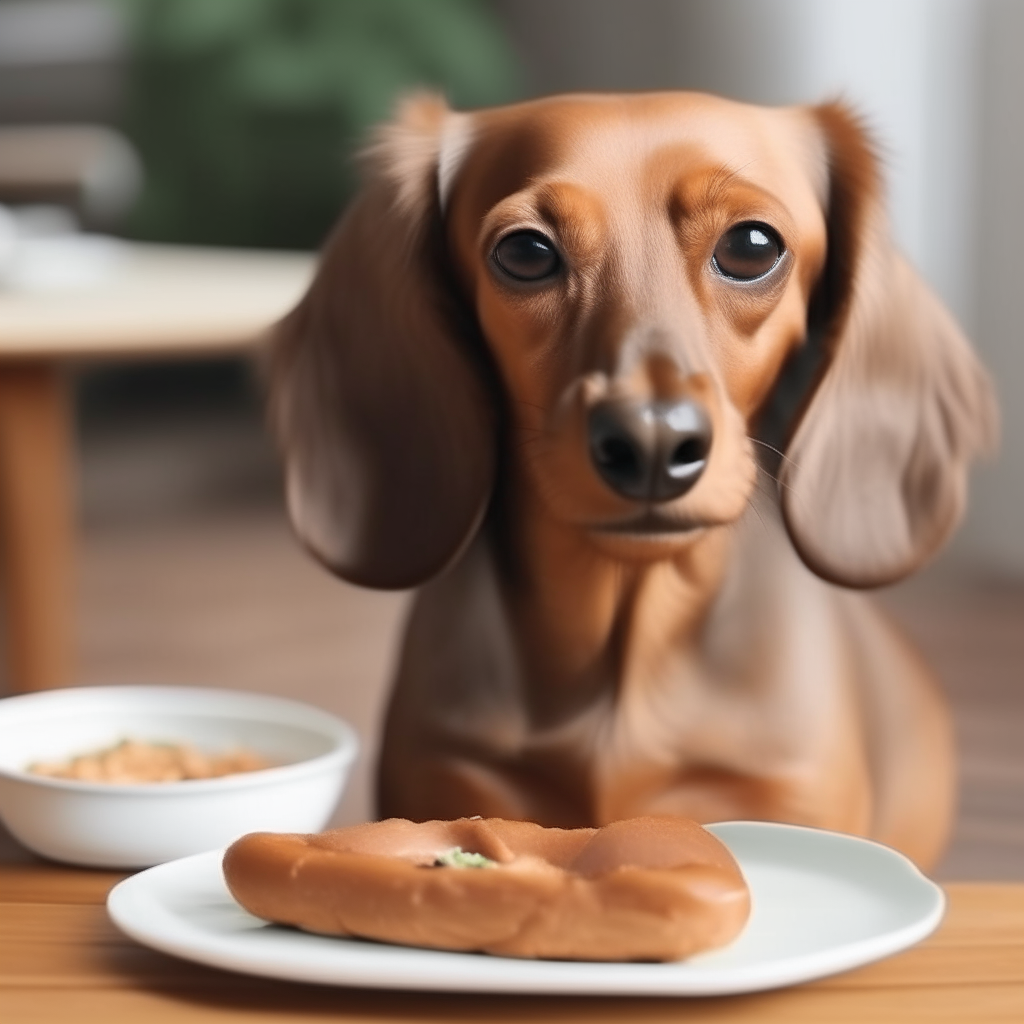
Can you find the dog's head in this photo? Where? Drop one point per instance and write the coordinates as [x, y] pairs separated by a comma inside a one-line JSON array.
[[623, 289]]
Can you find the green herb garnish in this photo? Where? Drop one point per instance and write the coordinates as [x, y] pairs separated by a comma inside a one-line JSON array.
[[456, 857]]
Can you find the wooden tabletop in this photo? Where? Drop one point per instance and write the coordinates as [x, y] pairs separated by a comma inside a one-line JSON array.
[[154, 300], [62, 960]]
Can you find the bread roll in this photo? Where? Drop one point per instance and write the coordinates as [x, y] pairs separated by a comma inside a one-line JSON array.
[[642, 889]]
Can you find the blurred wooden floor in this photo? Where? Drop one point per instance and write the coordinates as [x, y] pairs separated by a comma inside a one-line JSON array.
[[189, 575]]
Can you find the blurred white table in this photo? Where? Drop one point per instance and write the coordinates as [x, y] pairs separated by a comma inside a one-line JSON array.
[[145, 301]]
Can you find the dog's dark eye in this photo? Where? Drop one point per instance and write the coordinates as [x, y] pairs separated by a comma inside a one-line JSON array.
[[527, 256], [747, 251]]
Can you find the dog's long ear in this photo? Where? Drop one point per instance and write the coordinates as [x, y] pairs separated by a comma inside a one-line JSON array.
[[383, 420], [875, 474]]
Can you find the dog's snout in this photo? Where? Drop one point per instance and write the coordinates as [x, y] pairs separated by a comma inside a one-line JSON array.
[[649, 451]]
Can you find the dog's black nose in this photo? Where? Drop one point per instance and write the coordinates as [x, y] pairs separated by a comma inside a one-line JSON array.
[[649, 451]]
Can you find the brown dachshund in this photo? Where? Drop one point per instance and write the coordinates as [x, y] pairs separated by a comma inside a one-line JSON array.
[[542, 373]]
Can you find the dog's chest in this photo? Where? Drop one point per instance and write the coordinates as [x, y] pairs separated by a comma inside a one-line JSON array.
[[727, 712]]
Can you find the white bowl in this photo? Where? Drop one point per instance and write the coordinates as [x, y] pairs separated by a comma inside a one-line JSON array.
[[115, 825]]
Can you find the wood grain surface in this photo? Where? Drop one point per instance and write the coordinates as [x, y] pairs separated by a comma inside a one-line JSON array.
[[62, 960]]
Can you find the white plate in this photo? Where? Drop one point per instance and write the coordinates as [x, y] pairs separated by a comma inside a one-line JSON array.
[[822, 903]]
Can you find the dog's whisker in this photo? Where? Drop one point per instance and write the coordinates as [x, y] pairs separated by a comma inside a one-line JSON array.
[[775, 480], [771, 447], [769, 479], [767, 495], [531, 405], [753, 506], [524, 442]]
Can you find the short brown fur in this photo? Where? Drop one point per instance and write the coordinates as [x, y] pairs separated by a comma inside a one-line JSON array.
[[566, 661]]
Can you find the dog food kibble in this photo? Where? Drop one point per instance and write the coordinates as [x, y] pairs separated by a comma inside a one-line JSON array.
[[133, 761]]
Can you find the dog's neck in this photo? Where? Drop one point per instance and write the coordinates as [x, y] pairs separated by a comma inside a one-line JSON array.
[[590, 621]]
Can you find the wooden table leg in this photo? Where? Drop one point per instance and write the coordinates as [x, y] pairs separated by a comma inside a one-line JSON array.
[[37, 524]]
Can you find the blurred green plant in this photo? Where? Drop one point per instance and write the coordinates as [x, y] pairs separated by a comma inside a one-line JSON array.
[[246, 112]]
